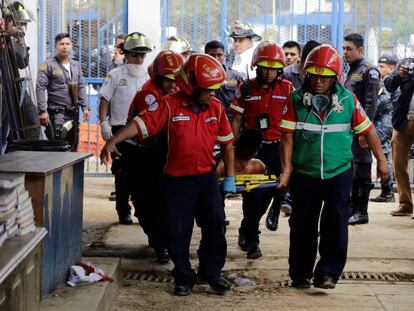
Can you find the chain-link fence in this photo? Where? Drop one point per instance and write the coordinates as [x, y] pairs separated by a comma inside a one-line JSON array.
[[387, 25]]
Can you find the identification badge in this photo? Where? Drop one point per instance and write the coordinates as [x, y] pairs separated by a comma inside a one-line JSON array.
[[263, 121]]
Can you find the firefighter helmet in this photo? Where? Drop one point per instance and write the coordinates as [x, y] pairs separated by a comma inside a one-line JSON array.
[[268, 54], [243, 30], [178, 44], [202, 71], [19, 12], [324, 60], [165, 64], [137, 42]]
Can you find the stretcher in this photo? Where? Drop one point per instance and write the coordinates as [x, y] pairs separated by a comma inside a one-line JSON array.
[[255, 182]]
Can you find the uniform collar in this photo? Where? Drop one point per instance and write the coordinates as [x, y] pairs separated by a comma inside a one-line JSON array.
[[356, 63]]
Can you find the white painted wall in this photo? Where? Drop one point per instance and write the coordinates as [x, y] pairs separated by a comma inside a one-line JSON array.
[[31, 35], [145, 16]]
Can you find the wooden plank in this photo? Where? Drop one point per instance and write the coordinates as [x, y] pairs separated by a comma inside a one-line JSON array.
[[39, 162]]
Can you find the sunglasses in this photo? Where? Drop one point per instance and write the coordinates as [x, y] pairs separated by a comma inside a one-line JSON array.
[[137, 54]]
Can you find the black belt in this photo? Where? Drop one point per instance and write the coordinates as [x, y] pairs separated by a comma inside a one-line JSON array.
[[57, 109]]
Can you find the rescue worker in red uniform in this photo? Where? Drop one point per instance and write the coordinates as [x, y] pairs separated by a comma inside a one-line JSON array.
[[261, 104], [147, 159], [318, 127], [195, 121]]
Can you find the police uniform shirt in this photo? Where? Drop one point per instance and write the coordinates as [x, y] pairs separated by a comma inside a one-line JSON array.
[[119, 89], [52, 78], [363, 80], [243, 61]]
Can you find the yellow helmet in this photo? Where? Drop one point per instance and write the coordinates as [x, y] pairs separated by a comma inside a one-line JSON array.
[[137, 42]]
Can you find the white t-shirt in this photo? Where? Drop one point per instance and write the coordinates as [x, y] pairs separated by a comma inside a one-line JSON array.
[[243, 59], [67, 67], [119, 89]]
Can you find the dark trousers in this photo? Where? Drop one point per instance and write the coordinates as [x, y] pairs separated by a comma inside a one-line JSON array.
[[119, 169], [308, 195], [255, 203], [145, 166], [188, 198], [361, 186]]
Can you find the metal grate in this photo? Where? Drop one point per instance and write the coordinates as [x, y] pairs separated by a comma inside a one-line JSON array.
[[154, 276], [282, 281]]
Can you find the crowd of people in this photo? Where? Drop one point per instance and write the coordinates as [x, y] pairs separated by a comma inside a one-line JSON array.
[[191, 118]]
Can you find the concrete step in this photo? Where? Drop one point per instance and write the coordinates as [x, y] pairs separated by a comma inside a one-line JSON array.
[[89, 297]]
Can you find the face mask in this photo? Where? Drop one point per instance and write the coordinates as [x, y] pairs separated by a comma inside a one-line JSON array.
[[134, 69], [320, 102]]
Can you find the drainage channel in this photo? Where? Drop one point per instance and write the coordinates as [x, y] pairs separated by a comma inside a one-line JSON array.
[[164, 277]]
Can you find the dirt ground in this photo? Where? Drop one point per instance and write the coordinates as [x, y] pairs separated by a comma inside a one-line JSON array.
[[271, 290]]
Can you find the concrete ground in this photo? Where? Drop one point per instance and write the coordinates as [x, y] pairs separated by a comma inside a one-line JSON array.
[[379, 274]]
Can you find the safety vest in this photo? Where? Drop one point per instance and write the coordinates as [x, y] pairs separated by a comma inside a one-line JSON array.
[[322, 148]]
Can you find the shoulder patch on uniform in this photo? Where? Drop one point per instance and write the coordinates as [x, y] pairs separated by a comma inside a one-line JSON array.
[[149, 99], [374, 74], [109, 76], [43, 67], [154, 106]]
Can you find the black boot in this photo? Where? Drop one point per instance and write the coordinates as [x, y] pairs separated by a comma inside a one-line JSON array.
[[242, 241], [272, 219], [361, 213], [386, 194], [359, 218], [354, 196]]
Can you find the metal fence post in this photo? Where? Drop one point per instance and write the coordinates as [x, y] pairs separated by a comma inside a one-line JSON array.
[[340, 29], [223, 20]]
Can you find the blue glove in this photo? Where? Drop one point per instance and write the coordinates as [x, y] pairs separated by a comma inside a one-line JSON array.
[[229, 185]]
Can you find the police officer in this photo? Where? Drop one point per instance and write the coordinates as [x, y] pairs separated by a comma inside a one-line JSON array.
[[195, 120], [383, 123], [243, 37], [318, 127], [147, 159], [363, 80], [56, 75], [118, 90], [261, 104], [118, 58], [227, 91]]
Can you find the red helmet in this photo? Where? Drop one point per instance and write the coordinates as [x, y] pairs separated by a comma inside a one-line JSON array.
[[201, 70], [324, 60], [165, 64], [268, 54]]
